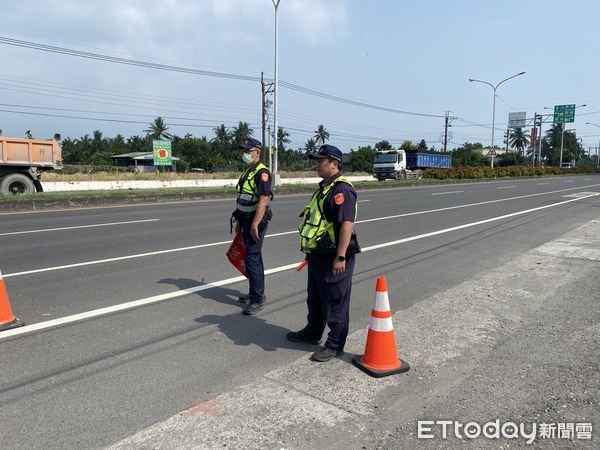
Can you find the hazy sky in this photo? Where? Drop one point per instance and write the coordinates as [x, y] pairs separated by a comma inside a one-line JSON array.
[[409, 56]]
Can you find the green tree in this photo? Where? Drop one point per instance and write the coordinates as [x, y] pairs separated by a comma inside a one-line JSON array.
[[28, 134], [407, 145], [321, 134], [469, 155], [310, 146], [422, 146], [283, 138], [241, 132], [158, 130], [362, 159], [519, 140], [383, 145], [222, 135]]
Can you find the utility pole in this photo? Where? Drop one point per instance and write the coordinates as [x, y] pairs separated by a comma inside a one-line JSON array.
[[266, 88], [447, 123], [269, 147]]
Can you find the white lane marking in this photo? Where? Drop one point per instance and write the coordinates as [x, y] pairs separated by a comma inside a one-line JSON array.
[[194, 247], [586, 179], [227, 281], [79, 226], [448, 192], [121, 258], [506, 187], [363, 201], [540, 184], [567, 181]]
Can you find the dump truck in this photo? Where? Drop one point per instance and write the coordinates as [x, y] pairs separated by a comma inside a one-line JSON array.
[[23, 161], [400, 164]]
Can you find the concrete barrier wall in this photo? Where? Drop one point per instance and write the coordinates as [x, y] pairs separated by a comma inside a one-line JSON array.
[[65, 186]]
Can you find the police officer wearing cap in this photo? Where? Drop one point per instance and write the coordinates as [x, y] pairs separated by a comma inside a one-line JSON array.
[[328, 239], [252, 214]]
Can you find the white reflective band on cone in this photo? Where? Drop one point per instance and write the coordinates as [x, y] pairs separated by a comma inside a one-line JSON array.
[[381, 324], [382, 302]]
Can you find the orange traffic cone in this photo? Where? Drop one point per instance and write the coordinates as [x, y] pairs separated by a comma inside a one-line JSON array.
[[7, 318], [380, 358]]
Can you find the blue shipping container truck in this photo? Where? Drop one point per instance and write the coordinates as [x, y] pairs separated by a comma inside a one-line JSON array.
[[400, 164], [422, 160]]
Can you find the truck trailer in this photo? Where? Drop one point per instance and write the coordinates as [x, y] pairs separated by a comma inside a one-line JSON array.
[[23, 161], [400, 164]]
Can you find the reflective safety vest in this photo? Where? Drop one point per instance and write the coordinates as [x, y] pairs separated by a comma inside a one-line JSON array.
[[316, 233], [246, 188]]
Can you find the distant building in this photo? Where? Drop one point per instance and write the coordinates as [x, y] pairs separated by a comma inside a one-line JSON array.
[[141, 162], [346, 163]]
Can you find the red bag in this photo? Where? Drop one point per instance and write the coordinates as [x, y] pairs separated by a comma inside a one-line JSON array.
[[237, 253]]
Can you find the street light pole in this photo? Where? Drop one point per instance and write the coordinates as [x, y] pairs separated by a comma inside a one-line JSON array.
[[494, 104], [597, 148], [276, 90]]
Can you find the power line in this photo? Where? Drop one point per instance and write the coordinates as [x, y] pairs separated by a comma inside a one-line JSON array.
[[172, 68]]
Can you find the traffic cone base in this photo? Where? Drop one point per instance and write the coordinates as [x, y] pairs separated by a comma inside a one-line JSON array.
[[8, 321], [16, 323], [403, 366], [380, 358]]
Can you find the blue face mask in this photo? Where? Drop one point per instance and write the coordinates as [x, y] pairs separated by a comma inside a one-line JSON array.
[[247, 158]]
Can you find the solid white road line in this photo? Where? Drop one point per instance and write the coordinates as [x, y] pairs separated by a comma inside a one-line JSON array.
[[506, 187], [79, 226], [171, 295], [448, 192], [541, 184], [194, 247]]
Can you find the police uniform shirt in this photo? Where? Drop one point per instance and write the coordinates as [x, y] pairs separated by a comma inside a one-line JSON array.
[[340, 204], [262, 180]]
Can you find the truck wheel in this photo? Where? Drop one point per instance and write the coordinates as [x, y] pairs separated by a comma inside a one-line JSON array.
[[403, 175], [16, 183]]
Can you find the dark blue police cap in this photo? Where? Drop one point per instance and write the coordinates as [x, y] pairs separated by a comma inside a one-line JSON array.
[[327, 151], [251, 143]]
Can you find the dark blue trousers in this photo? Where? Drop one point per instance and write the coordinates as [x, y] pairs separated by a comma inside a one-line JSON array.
[[254, 262], [328, 300]]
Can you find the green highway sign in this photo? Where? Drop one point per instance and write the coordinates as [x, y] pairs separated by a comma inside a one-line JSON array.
[[564, 113], [162, 153]]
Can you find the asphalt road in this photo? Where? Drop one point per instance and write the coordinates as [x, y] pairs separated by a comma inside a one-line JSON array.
[[95, 379]]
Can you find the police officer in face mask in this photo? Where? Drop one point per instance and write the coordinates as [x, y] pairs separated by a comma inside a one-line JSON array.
[[328, 239], [252, 214]]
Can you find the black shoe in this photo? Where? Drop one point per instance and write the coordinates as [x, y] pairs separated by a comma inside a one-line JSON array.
[[245, 298], [252, 308], [300, 336], [326, 354]]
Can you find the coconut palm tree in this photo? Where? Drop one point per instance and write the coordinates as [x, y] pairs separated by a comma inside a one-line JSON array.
[[321, 134], [222, 135], [519, 139], [310, 146], [28, 134], [242, 132], [158, 130], [283, 138]]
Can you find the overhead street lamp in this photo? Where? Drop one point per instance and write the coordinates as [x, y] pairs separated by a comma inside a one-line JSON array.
[[597, 148], [276, 91], [562, 134], [494, 103]]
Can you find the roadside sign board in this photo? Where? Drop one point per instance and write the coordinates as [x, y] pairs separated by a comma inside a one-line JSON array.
[[564, 113], [517, 119], [491, 153], [162, 153]]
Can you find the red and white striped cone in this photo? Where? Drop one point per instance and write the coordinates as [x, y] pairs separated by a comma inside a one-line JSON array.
[[380, 358]]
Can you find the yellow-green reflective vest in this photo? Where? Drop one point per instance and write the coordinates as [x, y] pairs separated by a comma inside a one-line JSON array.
[[246, 188], [315, 226]]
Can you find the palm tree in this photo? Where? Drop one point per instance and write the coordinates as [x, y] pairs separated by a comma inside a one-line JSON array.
[[158, 130], [222, 135], [283, 137], [519, 139], [310, 146], [242, 132], [28, 134], [321, 134]]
